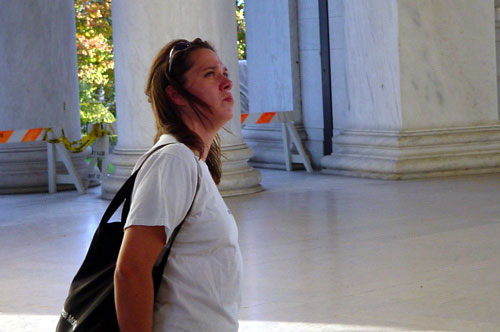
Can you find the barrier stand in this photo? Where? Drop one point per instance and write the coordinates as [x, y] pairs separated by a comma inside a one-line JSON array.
[[100, 151], [288, 132], [99, 132], [56, 151]]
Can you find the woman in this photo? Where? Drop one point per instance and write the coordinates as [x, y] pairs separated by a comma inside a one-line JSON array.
[[190, 93]]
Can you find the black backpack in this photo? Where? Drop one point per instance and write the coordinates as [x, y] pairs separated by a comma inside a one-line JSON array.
[[90, 304]]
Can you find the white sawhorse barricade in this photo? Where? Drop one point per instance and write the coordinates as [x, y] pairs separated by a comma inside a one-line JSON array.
[[100, 150], [288, 132], [55, 152]]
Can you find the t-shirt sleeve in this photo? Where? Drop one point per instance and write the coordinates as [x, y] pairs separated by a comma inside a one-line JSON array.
[[163, 191]]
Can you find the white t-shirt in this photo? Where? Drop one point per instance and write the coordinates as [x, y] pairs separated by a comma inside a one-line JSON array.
[[200, 290]]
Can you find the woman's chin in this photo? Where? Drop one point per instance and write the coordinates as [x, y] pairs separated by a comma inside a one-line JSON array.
[[229, 113]]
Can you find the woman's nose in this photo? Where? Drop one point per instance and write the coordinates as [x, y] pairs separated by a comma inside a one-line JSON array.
[[226, 84]]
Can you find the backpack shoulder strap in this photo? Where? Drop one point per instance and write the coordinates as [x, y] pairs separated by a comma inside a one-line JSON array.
[[125, 193]]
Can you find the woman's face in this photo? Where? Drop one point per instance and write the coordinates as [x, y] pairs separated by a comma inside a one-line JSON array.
[[208, 80]]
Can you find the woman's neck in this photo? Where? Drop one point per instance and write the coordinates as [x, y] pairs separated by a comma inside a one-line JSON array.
[[207, 139], [207, 136]]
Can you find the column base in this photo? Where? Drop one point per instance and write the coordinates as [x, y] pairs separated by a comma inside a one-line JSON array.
[[23, 168], [123, 161], [415, 154], [237, 177], [266, 141]]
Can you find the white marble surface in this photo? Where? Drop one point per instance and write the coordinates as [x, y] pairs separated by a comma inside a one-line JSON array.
[[415, 66], [38, 71], [419, 64], [270, 55], [321, 253], [497, 48], [340, 99], [448, 63], [372, 64], [243, 73], [336, 8], [415, 154], [310, 64]]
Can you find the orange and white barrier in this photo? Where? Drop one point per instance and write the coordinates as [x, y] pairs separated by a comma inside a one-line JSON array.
[[267, 117], [257, 118], [23, 135], [288, 132], [56, 151]]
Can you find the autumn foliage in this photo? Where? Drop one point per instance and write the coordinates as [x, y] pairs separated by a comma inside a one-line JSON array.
[[94, 43], [241, 29]]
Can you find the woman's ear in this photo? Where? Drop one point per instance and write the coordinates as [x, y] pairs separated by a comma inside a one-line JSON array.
[[175, 96]]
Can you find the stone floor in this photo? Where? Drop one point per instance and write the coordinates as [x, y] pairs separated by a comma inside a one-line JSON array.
[[321, 253]]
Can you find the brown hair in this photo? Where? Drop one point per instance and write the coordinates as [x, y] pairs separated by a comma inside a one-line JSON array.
[[167, 113]]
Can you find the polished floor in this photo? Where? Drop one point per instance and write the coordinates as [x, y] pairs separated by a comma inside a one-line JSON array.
[[321, 253]]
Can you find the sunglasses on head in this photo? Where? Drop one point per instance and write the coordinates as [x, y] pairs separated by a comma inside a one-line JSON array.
[[178, 47]]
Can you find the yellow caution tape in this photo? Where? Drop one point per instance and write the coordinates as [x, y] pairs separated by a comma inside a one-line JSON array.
[[80, 145]]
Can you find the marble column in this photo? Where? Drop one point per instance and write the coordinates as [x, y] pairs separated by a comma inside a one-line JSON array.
[[38, 87], [139, 32], [497, 36], [274, 76], [421, 90], [310, 77]]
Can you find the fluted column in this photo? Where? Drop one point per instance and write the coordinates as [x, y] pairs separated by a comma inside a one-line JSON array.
[[139, 32], [38, 87], [421, 89]]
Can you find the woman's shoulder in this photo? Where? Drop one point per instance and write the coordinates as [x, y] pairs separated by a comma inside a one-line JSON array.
[[177, 155], [168, 155], [178, 151]]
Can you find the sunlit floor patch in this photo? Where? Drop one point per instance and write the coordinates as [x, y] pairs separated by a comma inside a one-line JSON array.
[[27, 323], [265, 326], [42, 323]]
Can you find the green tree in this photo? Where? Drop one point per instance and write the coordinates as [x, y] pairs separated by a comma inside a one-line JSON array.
[[241, 29], [94, 43]]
